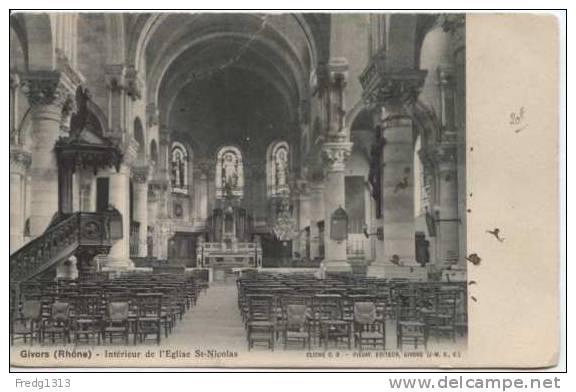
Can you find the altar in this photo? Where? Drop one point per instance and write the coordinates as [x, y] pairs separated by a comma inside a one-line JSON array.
[[230, 254], [229, 245]]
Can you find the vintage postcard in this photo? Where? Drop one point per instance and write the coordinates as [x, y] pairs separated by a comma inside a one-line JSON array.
[[283, 190]]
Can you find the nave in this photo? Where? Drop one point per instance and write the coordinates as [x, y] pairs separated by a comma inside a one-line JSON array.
[[256, 311]]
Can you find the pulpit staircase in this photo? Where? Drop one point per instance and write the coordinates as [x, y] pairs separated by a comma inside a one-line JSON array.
[[82, 234]]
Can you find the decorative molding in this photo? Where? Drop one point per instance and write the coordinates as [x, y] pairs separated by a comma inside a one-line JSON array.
[[455, 24], [444, 153], [152, 115], [47, 88], [20, 160], [133, 84], [336, 154], [140, 174], [114, 75], [394, 89]]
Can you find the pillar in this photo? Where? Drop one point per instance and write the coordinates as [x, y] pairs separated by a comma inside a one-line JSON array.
[[447, 211], [140, 180], [19, 163], [335, 155], [13, 101], [152, 218], [398, 191], [316, 215], [47, 93], [392, 93], [119, 198], [163, 230], [303, 219]]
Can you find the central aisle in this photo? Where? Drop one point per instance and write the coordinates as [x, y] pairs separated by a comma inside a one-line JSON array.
[[214, 323]]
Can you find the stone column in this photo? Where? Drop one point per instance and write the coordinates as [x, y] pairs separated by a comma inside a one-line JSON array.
[[398, 191], [14, 93], [447, 210], [152, 217], [393, 92], [159, 192], [47, 93], [119, 257], [19, 163], [303, 217], [316, 215], [202, 170], [140, 180], [335, 156]]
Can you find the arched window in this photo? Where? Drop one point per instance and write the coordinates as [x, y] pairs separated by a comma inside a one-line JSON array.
[[278, 168], [179, 168], [229, 173]]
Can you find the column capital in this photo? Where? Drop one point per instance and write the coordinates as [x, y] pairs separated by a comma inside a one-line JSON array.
[[336, 154], [120, 77], [141, 174], [134, 83], [388, 86], [19, 160], [333, 73], [455, 24], [444, 153], [47, 88]]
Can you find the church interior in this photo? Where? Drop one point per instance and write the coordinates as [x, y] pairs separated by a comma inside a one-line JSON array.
[[255, 180]]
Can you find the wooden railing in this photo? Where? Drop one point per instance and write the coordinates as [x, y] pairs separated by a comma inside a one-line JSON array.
[[59, 241]]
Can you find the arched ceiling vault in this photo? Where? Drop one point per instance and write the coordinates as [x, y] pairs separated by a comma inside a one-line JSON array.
[[223, 50], [166, 47]]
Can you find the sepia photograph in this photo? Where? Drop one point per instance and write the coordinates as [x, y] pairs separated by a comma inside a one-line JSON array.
[[244, 189]]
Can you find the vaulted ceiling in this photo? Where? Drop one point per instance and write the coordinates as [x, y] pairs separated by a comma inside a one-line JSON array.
[[230, 73]]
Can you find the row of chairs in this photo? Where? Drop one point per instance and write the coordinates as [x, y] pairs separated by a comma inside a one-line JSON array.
[[348, 310], [143, 306]]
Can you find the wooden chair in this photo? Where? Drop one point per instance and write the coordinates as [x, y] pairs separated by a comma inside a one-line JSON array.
[[28, 323], [441, 320], [149, 319], [57, 325], [87, 318], [368, 329], [410, 327], [330, 319], [261, 320], [297, 327], [116, 322]]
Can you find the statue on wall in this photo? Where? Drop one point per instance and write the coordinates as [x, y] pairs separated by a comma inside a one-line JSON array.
[[281, 164], [178, 169], [229, 170]]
